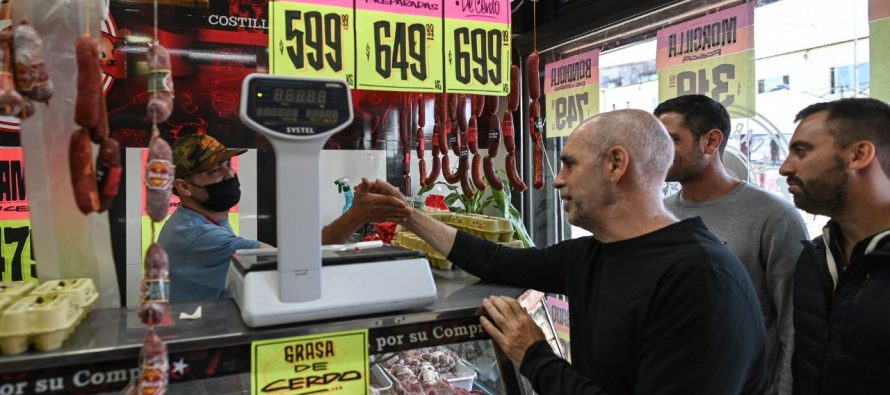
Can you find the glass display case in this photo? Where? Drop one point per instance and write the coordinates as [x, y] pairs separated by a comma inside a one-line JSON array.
[[442, 346]]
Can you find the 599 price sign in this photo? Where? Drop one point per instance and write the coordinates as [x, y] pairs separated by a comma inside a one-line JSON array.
[[399, 45], [312, 38], [477, 46]]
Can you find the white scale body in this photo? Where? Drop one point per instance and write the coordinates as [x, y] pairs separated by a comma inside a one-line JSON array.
[[298, 115]]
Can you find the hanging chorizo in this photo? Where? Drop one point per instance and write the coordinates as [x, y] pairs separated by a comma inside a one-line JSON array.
[[434, 172], [159, 176], [513, 97], [473, 136], [108, 172], [160, 84], [83, 173], [89, 84], [538, 161], [155, 307], [491, 175], [31, 78], [494, 135], [462, 171], [533, 76], [512, 174], [476, 172]]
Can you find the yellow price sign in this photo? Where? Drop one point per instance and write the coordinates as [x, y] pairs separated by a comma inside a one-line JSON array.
[[16, 251], [330, 363], [728, 80], [18, 260], [571, 92], [477, 47], [567, 109], [312, 38], [879, 30], [713, 56], [399, 46]]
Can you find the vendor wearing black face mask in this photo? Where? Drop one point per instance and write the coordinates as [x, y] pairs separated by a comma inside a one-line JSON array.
[[197, 237]]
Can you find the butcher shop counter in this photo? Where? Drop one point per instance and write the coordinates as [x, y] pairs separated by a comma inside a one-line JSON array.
[[212, 354]]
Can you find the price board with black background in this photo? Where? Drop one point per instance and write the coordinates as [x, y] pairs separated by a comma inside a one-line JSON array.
[[313, 38], [477, 47], [16, 253], [712, 56], [571, 92], [399, 45]]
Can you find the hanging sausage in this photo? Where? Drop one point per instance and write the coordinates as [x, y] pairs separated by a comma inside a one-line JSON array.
[[507, 130], [536, 126]]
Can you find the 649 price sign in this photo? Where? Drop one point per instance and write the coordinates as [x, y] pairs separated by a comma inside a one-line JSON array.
[[312, 39], [401, 46], [399, 53]]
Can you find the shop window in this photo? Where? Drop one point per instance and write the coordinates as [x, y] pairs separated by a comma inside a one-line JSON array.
[[773, 84], [845, 78], [817, 36]]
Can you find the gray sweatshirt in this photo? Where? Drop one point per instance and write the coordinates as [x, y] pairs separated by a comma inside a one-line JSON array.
[[764, 231]]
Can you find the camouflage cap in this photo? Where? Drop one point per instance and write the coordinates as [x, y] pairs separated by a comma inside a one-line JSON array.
[[199, 152]]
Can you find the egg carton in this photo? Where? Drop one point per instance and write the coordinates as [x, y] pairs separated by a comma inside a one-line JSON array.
[[412, 241], [81, 290], [16, 289], [483, 226], [42, 320]]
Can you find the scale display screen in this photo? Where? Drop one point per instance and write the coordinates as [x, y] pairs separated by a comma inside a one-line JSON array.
[[297, 107]]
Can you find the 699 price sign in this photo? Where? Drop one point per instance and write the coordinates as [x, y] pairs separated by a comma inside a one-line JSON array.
[[477, 46], [399, 45], [312, 38]]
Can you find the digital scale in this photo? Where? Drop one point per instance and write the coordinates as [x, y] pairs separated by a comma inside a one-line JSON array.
[[298, 115]]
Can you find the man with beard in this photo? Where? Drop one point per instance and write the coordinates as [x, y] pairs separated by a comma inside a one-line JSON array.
[[763, 230], [198, 237], [659, 306], [838, 165]]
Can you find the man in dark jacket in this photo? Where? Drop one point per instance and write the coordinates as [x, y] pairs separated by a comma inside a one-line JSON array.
[[838, 165]]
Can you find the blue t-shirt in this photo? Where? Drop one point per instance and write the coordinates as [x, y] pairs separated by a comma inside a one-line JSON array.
[[199, 252]]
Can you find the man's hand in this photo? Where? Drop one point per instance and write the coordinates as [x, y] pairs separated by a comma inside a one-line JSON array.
[[510, 327], [379, 187], [373, 202]]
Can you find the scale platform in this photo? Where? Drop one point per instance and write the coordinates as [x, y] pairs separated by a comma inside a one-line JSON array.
[[354, 282], [297, 115]]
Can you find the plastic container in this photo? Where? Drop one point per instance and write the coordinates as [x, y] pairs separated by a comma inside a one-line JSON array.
[[464, 377], [81, 290], [45, 320], [16, 289], [380, 381]]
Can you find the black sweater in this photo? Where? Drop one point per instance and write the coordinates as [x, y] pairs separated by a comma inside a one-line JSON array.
[[669, 312]]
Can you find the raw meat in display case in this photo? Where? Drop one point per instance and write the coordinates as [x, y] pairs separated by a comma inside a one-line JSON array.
[[436, 370]]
